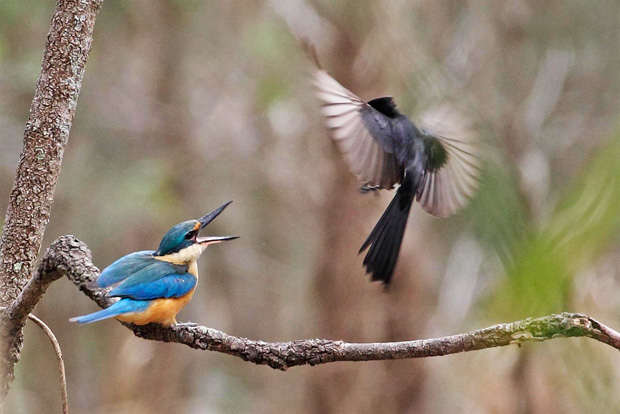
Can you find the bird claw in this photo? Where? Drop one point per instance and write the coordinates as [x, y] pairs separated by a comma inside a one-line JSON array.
[[365, 189], [186, 324]]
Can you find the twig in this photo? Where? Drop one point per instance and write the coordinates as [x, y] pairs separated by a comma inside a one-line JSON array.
[[61, 362], [74, 258], [59, 358]]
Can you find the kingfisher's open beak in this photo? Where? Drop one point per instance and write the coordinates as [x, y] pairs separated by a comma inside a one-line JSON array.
[[212, 215], [208, 219], [213, 240]]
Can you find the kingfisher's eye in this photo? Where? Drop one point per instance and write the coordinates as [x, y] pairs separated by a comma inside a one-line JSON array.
[[190, 235]]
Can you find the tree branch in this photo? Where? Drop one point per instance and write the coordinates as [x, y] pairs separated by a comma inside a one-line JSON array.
[[47, 130], [61, 362], [73, 257]]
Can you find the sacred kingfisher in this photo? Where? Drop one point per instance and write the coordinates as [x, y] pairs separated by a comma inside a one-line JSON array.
[[153, 286], [383, 148]]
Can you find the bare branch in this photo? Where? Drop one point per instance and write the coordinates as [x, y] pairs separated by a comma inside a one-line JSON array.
[[73, 257], [47, 130], [61, 362]]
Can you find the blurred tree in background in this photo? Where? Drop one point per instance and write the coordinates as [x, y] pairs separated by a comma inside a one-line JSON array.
[[188, 104]]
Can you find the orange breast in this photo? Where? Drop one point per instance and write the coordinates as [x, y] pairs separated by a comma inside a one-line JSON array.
[[163, 311]]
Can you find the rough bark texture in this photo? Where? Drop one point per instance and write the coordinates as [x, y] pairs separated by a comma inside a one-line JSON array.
[[47, 130], [73, 258]]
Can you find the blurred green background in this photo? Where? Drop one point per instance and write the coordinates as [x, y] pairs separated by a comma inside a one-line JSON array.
[[188, 104]]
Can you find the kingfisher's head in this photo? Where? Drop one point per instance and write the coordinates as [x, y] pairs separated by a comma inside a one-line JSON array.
[[183, 238]]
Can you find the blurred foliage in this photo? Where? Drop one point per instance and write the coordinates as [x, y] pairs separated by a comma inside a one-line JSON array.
[[543, 266]]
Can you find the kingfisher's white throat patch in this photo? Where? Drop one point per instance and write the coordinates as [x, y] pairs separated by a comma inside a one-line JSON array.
[[188, 254]]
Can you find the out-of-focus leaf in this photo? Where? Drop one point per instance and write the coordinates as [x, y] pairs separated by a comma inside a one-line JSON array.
[[497, 213], [538, 280]]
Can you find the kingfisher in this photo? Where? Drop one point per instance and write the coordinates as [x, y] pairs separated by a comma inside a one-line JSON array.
[[384, 148], [153, 286]]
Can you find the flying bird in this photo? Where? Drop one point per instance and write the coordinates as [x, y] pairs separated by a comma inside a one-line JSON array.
[[153, 286], [384, 148]]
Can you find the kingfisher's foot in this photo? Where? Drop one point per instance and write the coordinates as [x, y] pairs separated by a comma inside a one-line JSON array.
[[185, 324], [365, 189]]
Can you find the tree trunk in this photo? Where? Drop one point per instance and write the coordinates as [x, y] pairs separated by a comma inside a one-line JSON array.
[[349, 306], [47, 130]]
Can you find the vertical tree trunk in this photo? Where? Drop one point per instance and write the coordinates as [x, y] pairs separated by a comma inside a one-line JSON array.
[[349, 307], [53, 107]]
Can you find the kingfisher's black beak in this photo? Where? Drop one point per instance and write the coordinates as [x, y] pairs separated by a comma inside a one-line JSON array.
[[204, 221], [212, 215], [213, 240]]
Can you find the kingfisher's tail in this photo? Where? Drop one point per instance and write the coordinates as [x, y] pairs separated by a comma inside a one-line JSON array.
[[387, 236], [124, 305]]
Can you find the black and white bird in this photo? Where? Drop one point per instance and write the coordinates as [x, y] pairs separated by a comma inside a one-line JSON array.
[[383, 148]]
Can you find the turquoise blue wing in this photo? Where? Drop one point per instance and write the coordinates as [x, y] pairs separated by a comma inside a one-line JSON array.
[[135, 265], [157, 284], [124, 267]]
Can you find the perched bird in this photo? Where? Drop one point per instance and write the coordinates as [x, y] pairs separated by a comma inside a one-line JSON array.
[[153, 286], [384, 148]]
